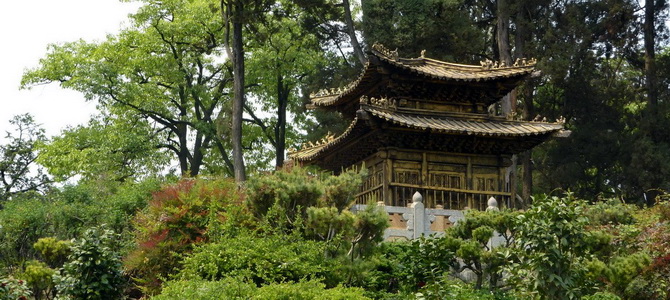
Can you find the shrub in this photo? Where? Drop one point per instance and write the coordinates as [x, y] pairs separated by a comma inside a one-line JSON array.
[[552, 252], [601, 296], [53, 251], [93, 270], [262, 260], [38, 276], [178, 217], [611, 212], [13, 289], [231, 288], [292, 191], [453, 290]]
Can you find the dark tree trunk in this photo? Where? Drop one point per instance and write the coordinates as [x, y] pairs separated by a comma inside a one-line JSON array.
[[280, 128], [502, 31], [348, 20], [508, 104], [520, 39], [238, 91], [650, 54]]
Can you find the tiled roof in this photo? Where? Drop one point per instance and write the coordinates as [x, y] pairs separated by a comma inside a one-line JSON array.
[[466, 127], [487, 71], [440, 124]]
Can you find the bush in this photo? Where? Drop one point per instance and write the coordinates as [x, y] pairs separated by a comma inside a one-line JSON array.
[[53, 251], [178, 217], [552, 250], [453, 290], [262, 260], [601, 296], [13, 289], [65, 214], [292, 191], [39, 279], [231, 288], [610, 212], [93, 270]]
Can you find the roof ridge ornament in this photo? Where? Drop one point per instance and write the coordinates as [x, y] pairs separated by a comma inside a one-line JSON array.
[[392, 54], [519, 62]]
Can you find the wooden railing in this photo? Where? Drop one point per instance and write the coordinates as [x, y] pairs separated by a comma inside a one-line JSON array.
[[448, 198]]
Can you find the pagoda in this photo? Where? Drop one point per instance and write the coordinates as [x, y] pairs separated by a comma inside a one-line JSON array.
[[420, 124]]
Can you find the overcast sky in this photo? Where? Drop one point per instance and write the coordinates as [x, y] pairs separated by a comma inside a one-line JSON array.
[[26, 28]]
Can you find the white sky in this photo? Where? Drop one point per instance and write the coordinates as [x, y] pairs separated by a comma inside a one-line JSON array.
[[26, 28]]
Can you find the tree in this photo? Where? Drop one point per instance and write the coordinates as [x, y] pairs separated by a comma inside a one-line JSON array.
[[293, 54], [18, 171], [163, 68], [413, 26], [117, 148], [351, 31]]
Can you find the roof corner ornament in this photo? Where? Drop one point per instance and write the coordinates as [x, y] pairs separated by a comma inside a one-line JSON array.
[[423, 53], [385, 51], [364, 100], [560, 120], [486, 64]]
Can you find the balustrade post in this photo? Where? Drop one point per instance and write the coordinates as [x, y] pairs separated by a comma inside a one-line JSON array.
[[419, 215]]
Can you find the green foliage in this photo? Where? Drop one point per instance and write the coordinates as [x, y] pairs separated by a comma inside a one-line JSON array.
[[262, 260], [39, 278], [449, 289], [93, 270], [284, 197], [13, 289], [612, 211], [67, 212], [340, 190], [53, 251], [623, 269], [163, 67], [18, 172], [601, 296], [293, 191], [425, 260], [232, 288], [552, 252], [415, 25], [306, 290], [113, 148], [177, 217]]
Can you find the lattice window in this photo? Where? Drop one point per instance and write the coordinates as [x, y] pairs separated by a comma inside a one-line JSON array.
[[444, 179], [406, 176], [486, 183]]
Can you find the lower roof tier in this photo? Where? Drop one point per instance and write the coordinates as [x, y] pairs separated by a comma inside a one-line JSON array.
[[375, 128]]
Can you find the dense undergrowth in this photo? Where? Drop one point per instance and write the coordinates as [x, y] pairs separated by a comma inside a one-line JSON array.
[[289, 235]]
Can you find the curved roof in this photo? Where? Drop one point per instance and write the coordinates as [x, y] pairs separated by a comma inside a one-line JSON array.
[[487, 72], [466, 127], [483, 127]]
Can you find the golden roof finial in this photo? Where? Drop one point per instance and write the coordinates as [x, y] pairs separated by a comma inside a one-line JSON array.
[[423, 53]]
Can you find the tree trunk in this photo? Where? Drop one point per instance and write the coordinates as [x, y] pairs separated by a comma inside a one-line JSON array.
[[358, 51], [238, 91], [280, 128], [509, 101], [508, 104], [650, 54], [520, 39]]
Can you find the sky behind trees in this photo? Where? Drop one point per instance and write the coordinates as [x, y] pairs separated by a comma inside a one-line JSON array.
[[26, 28]]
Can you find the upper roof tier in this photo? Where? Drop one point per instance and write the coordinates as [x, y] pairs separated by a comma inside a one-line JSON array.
[[425, 79]]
